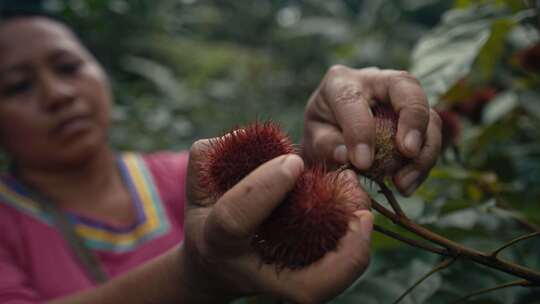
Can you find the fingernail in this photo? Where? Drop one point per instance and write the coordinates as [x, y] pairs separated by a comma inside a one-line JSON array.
[[409, 179], [354, 225], [293, 165], [363, 156], [370, 112], [340, 154], [413, 141]]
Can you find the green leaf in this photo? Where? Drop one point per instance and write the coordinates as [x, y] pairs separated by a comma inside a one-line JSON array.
[[493, 49], [463, 219], [529, 101], [500, 106], [447, 53], [463, 3]]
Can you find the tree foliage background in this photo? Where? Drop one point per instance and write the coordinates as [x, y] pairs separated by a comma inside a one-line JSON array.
[[188, 69]]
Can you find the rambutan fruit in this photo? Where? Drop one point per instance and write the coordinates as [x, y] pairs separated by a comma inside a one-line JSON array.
[[310, 222], [387, 159], [473, 106], [529, 58], [314, 215], [234, 155]]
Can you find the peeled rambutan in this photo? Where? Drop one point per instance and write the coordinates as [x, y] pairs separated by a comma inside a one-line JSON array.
[[310, 222], [233, 156], [387, 159]]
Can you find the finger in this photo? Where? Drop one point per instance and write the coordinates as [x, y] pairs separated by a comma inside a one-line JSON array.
[[244, 207], [195, 193], [412, 175], [351, 107], [409, 100], [326, 143]]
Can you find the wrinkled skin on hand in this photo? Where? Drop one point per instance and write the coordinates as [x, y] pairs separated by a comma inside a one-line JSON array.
[[217, 250], [339, 125], [339, 128]]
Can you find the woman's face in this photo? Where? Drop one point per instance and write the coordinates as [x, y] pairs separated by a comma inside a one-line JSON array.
[[55, 99]]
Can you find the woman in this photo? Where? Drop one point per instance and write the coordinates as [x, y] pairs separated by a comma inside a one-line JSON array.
[[71, 205]]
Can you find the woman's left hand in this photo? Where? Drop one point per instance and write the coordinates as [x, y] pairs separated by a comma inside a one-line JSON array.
[[339, 126]]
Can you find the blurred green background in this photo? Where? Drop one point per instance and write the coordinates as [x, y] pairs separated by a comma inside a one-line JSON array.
[[188, 69], [184, 70]]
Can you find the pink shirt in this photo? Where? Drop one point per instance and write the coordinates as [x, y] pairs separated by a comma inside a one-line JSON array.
[[37, 265]]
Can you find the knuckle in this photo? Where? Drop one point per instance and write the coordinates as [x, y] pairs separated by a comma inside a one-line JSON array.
[[336, 70], [348, 94], [198, 147], [417, 110], [405, 76], [368, 72], [360, 130], [370, 69]]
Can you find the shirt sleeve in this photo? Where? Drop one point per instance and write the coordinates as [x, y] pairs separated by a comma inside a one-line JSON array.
[[14, 282]]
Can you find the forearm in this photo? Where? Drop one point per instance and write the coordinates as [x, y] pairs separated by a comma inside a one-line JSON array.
[[162, 280]]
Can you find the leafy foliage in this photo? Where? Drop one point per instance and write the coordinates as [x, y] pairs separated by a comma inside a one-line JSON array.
[[188, 69]]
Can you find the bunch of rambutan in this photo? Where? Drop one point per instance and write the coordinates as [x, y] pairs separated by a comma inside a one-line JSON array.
[[314, 216]]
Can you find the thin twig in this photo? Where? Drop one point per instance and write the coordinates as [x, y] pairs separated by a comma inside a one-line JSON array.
[[500, 203], [415, 243], [444, 264], [455, 248], [391, 199], [523, 283], [383, 189], [512, 242]]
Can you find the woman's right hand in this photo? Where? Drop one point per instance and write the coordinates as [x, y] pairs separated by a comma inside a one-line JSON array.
[[218, 261]]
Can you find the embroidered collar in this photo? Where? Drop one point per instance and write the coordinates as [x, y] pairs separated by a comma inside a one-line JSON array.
[[151, 221]]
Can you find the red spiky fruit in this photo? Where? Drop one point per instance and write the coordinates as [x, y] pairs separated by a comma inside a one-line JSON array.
[[233, 156], [314, 215], [473, 106], [529, 58], [310, 222], [387, 159]]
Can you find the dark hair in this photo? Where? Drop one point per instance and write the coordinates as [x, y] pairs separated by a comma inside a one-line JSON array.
[[13, 9]]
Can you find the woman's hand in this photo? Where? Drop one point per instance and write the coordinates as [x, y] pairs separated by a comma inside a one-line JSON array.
[[339, 125], [216, 253]]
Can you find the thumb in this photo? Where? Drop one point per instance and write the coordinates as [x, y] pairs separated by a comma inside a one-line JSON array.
[[240, 211], [196, 193]]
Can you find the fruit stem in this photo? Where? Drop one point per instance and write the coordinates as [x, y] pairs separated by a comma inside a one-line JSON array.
[[391, 199]]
